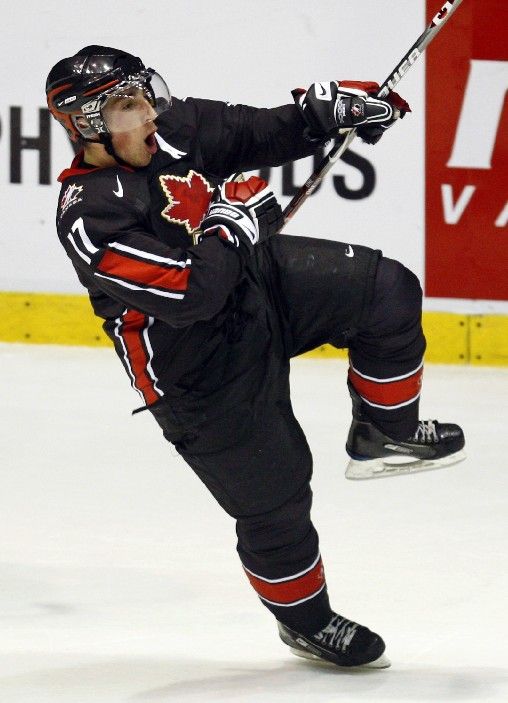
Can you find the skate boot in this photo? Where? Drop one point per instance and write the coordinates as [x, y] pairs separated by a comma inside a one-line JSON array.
[[342, 642], [374, 454]]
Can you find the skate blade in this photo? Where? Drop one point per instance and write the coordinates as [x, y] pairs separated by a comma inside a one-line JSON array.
[[381, 662], [360, 470]]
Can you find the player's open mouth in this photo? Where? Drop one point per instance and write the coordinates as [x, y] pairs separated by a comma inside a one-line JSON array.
[[151, 143]]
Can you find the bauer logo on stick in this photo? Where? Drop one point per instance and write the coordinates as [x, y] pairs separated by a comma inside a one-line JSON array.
[[443, 12]]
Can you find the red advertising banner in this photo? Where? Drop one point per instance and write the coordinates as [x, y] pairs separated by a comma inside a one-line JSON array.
[[466, 171]]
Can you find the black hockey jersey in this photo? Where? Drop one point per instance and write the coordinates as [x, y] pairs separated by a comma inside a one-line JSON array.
[[168, 304]]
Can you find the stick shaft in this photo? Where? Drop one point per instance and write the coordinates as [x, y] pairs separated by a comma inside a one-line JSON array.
[[436, 24]]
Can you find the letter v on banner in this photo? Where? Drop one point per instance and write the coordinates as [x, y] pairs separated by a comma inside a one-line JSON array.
[[467, 155]]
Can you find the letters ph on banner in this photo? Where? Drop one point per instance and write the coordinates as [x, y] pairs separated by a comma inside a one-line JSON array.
[[20, 142]]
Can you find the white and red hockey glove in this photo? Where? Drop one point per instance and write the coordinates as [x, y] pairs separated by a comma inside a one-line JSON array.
[[333, 106], [242, 214]]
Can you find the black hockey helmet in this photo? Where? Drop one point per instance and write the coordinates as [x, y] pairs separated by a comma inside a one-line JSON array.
[[82, 84]]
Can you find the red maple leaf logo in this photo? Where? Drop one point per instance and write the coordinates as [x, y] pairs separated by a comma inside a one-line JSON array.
[[189, 197]]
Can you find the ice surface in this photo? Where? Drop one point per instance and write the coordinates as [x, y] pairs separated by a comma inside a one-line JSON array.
[[119, 579]]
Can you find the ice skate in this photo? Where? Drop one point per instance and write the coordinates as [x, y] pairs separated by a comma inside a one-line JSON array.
[[342, 642], [373, 454]]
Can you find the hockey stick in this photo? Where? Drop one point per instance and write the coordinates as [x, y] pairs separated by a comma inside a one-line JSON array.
[[401, 69]]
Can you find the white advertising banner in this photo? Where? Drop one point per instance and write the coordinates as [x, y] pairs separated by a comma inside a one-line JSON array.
[[243, 51]]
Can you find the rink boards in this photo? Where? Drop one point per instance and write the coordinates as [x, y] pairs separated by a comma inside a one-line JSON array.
[[42, 318]]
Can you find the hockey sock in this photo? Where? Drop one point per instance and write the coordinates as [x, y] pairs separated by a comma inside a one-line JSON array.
[[279, 551], [391, 403], [386, 354], [299, 600]]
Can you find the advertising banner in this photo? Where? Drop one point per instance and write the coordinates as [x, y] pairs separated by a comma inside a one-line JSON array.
[[373, 197], [466, 202]]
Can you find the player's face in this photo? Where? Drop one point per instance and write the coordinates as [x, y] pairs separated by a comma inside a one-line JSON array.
[[130, 119]]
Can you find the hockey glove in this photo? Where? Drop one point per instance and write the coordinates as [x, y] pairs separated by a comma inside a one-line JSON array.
[[242, 214], [328, 108]]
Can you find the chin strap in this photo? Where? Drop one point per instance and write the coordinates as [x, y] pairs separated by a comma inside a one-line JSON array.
[[107, 141]]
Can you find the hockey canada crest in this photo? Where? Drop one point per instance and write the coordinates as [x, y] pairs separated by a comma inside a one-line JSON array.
[[189, 197], [71, 196]]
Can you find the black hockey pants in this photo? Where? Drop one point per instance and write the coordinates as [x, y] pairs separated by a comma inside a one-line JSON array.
[[253, 456]]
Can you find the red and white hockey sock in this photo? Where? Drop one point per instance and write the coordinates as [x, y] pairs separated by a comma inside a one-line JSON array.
[[391, 403], [298, 600]]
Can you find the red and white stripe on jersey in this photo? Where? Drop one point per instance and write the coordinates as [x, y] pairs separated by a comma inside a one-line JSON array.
[[133, 268], [142, 270], [387, 393], [290, 590], [132, 332]]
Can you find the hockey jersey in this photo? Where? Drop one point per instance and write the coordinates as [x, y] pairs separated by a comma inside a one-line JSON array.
[[168, 304]]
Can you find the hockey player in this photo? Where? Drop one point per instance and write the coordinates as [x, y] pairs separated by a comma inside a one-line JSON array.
[[206, 308]]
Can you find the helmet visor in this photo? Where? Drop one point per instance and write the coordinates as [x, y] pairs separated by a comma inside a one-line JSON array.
[[129, 104]]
